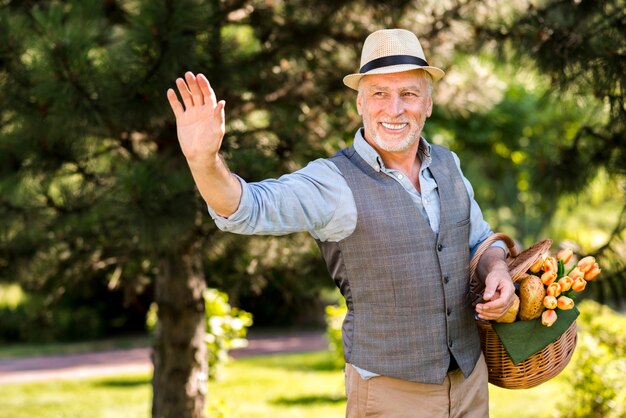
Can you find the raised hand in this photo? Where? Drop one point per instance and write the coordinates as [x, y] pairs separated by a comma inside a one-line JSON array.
[[200, 122], [200, 125]]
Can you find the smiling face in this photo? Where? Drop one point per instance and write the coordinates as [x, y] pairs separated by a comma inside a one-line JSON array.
[[394, 108]]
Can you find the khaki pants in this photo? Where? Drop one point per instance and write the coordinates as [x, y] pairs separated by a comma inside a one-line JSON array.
[[394, 398]]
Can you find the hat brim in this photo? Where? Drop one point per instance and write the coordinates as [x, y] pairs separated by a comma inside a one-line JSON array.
[[352, 80]]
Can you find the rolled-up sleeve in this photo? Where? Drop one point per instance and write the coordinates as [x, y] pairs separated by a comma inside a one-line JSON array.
[[315, 199]]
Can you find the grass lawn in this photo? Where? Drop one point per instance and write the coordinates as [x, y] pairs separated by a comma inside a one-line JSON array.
[[294, 386], [118, 397]]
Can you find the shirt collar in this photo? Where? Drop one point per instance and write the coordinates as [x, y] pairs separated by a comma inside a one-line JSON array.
[[369, 154]]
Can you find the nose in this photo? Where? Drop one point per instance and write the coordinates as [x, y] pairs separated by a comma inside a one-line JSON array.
[[396, 106]]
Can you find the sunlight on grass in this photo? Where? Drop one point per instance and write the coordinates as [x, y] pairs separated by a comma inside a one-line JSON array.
[[118, 397], [279, 386], [297, 385], [538, 402]]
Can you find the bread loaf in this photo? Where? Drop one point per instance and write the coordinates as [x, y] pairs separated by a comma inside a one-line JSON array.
[[511, 314], [531, 293]]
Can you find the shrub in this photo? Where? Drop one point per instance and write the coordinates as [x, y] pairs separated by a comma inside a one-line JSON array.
[[597, 371], [334, 321], [226, 329]]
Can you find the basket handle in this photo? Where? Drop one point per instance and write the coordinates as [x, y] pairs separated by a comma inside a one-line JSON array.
[[476, 286], [517, 263], [512, 250]]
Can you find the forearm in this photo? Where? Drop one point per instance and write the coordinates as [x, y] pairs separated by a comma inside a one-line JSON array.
[[494, 258], [219, 188]]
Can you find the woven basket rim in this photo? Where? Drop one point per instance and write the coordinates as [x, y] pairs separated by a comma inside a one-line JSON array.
[[524, 260]]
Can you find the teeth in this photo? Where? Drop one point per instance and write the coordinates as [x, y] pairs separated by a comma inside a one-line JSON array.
[[394, 126]]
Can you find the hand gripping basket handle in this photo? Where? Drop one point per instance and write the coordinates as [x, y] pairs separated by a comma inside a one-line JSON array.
[[518, 263], [498, 236]]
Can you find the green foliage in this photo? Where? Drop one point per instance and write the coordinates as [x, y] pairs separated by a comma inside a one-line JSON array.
[[598, 367], [41, 319], [508, 149], [11, 296], [226, 329], [335, 315], [578, 46]]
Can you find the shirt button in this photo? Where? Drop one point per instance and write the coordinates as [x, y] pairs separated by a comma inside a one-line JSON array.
[[399, 176], [439, 247]]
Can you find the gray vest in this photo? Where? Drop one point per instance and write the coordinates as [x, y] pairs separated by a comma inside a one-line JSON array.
[[406, 288]]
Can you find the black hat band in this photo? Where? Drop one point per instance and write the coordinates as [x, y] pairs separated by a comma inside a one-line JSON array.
[[392, 60]]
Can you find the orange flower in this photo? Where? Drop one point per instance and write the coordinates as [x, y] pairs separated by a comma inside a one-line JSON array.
[[548, 317], [565, 255], [564, 303], [549, 302], [536, 267], [565, 283], [553, 289], [593, 272], [550, 264], [548, 277], [586, 263], [579, 284], [576, 273]]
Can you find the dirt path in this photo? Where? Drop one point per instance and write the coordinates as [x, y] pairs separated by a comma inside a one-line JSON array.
[[137, 360]]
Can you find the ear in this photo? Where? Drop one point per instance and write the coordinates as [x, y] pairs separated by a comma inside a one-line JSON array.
[[429, 108], [359, 104]]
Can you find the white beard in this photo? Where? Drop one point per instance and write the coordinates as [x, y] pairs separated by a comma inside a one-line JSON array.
[[412, 137], [397, 146]]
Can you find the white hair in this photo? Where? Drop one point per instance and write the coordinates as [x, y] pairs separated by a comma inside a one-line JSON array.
[[423, 73]]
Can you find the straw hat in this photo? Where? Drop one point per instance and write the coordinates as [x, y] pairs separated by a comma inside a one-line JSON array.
[[391, 51]]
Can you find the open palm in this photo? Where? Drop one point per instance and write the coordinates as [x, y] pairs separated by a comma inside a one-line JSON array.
[[199, 119]]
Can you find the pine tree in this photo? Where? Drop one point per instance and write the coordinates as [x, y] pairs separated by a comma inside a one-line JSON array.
[[92, 182]]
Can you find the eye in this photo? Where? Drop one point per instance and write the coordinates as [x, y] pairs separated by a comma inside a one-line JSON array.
[[409, 94], [379, 94]]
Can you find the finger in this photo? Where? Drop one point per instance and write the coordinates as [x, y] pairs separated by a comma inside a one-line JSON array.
[[193, 87], [490, 289], [491, 313], [177, 108], [495, 305], [219, 112], [185, 94], [207, 90]]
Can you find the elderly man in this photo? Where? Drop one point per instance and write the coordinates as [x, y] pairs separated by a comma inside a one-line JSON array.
[[396, 222]]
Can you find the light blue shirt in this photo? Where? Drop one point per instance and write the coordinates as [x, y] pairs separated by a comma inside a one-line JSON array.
[[317, 199]]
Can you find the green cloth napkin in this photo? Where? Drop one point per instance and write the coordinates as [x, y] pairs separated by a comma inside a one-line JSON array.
[[522, 339]]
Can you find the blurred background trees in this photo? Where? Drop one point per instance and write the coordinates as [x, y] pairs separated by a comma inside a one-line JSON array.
[[98, 213]]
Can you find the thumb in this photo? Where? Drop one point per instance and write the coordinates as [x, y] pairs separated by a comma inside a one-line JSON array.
[[219, 110], [490, 289]]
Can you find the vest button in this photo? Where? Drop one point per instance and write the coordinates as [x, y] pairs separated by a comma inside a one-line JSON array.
[[439, 247], [450, 343], [446, 279], [448, 311]]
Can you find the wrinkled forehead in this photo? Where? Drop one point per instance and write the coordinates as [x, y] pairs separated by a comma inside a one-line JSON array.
[[417, 79]]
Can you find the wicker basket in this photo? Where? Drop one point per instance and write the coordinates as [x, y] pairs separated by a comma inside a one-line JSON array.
[[542, 365]]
